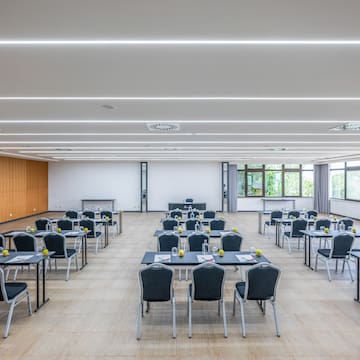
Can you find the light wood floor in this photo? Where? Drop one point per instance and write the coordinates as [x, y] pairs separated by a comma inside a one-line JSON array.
[[93, 315]]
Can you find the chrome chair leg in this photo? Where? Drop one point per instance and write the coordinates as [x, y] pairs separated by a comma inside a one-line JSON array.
[[276, 319], [224, 318]]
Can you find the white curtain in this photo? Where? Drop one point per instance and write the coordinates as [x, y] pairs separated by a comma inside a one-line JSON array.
[[232, 188]]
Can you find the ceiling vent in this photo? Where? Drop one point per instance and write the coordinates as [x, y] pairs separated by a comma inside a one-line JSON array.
[[163, 127]]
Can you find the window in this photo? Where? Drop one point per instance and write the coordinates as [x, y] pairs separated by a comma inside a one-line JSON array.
[[275, 180], [337, 180], [352, 184]]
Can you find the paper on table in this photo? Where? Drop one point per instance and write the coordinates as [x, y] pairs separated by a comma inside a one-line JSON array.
[[43, 233], [162, 258], [20, 258], [203, 258], [72, 233], [245, 258]]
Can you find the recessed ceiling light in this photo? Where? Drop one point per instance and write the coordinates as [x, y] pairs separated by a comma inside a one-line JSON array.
[[279, 149], [108, 107], [347, 126], [163, 127]]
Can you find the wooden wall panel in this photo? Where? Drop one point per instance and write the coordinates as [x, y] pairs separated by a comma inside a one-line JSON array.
[[23, 188]]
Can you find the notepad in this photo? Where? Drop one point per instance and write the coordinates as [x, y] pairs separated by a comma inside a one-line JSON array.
[[162, 258], [19, 258], [203, 258], [245, 258]]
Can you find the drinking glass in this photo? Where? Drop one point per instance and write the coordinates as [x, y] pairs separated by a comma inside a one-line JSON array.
[[253, 250], [174, 251], [322, 228], [215, 250]]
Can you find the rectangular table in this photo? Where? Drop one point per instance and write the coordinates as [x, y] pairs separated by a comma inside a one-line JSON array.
[[36, 259], [309, 234], [182, 206], [186, 233], [67, 233], [111, 201], [265, 200], [204, 221], [190, 258]]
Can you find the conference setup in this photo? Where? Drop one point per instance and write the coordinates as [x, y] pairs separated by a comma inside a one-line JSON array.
[[179, 179]]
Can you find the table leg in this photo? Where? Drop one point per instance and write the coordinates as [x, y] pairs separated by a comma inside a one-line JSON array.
[[259, 223], [357, 298], [44, 280], [309, 252], [83, 249], [37, 286], [120, 222], [305, 250]]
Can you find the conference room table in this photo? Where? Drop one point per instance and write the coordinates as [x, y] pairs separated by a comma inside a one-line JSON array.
[[192, 258], [22, 258], [356, 254], [184, 206], [316, 234], [67, 233], [186, 233], [204, 221]]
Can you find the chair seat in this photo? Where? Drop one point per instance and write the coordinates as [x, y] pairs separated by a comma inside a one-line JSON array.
[[326, 253], [70, 252], [13, 289], [90, 234], [288, 234], [240, 287]]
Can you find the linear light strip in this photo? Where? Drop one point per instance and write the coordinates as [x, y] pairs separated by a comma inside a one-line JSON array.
[[172, 42], [177, 98], [171, 143], [17, 155]]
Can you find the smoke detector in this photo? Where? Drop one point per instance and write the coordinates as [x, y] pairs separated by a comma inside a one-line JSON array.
[[163, 127]]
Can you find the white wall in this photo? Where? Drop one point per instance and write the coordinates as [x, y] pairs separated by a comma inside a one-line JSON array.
[[175, 181], [345, 208], [256, 204], [69, 182]]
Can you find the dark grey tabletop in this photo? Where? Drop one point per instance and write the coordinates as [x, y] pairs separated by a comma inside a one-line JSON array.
[[31, 258], [191, 258], [186, 233], [42, 233], [331, 233]]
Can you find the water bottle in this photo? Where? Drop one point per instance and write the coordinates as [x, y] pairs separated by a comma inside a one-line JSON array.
[[205, 247], [47, 227], [197, 226]]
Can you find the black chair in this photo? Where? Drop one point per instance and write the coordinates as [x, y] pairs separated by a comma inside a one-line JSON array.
[[341, 246], [209, 214], [231, 242], [167, 241], [43, 224], [72, 214], [88, 214], [92, 232], [65, 224], [193, 214], [348, 223], [217, 224], [57, 242], [326, 223], [295, 233], [294, 213], [111, 222], [176, 213], [207, 285], [260, 284], [13, 293], [311, 214], [191, 224], [156, 284], [169, 224], [276, 214], [196, 241]]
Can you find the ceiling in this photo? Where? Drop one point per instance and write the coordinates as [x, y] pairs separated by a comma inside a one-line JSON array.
[[246, 81]]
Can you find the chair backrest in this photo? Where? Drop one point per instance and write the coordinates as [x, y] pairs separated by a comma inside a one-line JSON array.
[[65, 224], [189, 200], [196, 240], [326, 223], [72, 214], [297, 226], [207, 282], [217, 224], [261, 282], [156, 282], [341, 245], [88, 223], [276, 214], [347, 222], [42, 224], [107, 213], [209, 214], [191, 223], [231, 242], [3, 293], [168, 224], [311, 213], [294, 213], [25, 242], [89, 214], [193, 213], [56, 242], [2, 241], [167, 241], [175, 213]]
